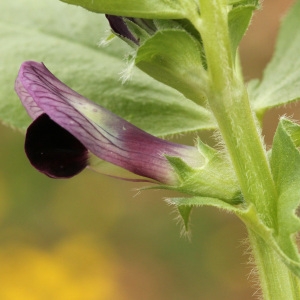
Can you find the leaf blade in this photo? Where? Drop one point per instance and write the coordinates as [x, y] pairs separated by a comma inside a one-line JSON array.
[[281, 79], [285, 165], [65, 39], [157, 9]]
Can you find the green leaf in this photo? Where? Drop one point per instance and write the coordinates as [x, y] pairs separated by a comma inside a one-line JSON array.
[[185, 212], [154, 9], [65, 38], [204, 201], [236, 3], [185, 206], [281, 79], [174, 57], [285, 165], [238, 20]]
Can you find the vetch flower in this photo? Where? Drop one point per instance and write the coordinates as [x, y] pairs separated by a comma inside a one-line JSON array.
[[67, 127]]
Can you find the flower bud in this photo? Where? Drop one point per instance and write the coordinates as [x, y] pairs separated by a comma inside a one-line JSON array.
[[170, 51]]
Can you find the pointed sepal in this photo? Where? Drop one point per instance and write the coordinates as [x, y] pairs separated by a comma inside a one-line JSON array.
[[214, 179]]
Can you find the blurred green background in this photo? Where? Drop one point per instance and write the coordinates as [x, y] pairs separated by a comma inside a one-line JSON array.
[[94, 237]]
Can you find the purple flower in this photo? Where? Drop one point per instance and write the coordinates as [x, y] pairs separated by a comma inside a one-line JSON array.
[[67, 127]]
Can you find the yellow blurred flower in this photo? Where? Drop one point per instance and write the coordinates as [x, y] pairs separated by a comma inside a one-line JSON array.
[[75, 269]]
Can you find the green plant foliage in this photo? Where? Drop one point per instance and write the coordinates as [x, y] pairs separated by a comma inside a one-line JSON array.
[[174, 58], [244, 2], [157, 9], [204, 201], [281, 79], [285, 164], [238, 21], [185, 206], [185, 211], [253, 222], [214, 184], [65, 39], [215, 179]]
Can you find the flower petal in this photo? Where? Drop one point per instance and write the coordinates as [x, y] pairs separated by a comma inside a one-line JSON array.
[[53, 150], [103, 133]]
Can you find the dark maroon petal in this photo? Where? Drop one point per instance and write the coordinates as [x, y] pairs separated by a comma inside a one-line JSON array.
[[53, 150], [119, 26]]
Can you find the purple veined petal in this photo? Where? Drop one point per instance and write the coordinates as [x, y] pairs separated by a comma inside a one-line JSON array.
[[103, 133], [28, 102]]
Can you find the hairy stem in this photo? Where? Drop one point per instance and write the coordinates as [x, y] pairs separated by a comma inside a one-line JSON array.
[[228, 100], [276, 280]]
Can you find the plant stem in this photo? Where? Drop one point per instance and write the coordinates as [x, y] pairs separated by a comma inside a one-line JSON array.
[[228, 100], [230, 105], [276, 280]]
